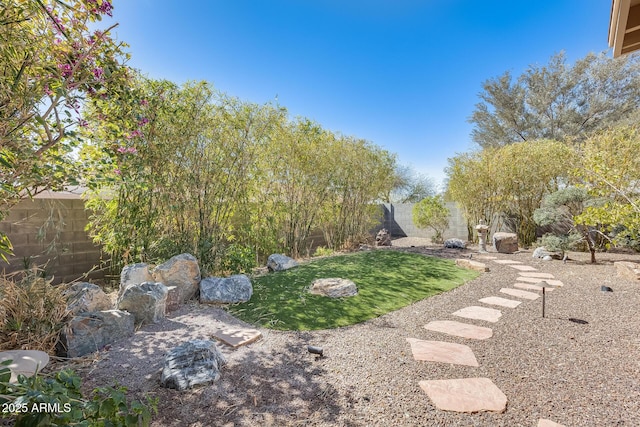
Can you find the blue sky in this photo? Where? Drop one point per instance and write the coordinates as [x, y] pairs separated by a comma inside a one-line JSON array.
[[404, 74]]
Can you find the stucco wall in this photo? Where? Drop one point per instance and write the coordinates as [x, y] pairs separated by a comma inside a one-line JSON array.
[[399, 221]]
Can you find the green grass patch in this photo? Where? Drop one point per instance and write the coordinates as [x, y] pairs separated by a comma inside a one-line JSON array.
[[386, 280]]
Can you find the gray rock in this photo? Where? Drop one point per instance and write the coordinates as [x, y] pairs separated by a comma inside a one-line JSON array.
[[383, 238], [505, 243], [225, 290], [334, 288], [89, 332], [192, 363], [174, 298], [279, 262], [181, 271], [540, 252], [134, 274], [547, 258], [455, 244], [146, 301], [83, 297]]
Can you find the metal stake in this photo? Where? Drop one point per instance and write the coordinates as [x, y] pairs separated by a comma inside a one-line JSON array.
[[543, 299]]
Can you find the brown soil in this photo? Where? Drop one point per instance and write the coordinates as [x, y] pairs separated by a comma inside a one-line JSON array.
[[578, 366]]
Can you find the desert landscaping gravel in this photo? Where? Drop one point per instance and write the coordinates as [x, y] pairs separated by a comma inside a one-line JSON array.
[[579, 366]]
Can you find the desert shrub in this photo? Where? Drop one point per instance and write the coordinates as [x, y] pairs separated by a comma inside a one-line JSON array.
[[238, 259], [323, 251], [431, 212], [31, 312], [66, 406]]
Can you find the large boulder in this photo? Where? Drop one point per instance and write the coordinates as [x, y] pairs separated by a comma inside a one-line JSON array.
[[192, 363], [505, 243], [146, 301], [225, 290], [181, 271], [455, 244], [89, 332], [84, 297], [628, 270], [383, 238], [279, 262], [134, 274], [334, 288]]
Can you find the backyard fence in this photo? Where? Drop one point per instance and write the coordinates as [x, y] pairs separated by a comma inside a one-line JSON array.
[[50, 231]]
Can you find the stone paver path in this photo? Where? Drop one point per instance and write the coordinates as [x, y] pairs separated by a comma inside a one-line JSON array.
[[459, 329], [530, 286], [523, 267], [237, 337], [537, 274], [479, 313], [519, 294], [465, 395], [502, 302], [476, 394], [444, 352]]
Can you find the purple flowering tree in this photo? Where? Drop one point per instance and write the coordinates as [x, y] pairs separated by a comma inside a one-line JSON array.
[[52, 63]]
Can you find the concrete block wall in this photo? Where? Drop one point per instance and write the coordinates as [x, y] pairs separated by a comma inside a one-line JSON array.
[[398, 220], [59, 218]]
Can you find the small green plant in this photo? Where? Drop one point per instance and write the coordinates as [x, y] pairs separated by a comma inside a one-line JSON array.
[[431, 212], [323, 251], [56, 400]]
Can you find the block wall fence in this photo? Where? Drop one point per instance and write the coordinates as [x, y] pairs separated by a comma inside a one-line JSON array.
[[32, 225]]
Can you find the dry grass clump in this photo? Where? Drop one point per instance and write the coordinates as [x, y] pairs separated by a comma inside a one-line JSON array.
[[32, 312]]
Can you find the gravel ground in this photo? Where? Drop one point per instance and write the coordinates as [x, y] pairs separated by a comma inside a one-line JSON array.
[[579, 366]]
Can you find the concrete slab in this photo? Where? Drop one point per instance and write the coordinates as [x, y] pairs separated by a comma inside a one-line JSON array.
[[24, 362], [465, 395], [502, 302], [519, 294], [506, 261], [444, 352], [479, 313], [523, 267], [537, 274], [459, 329], [530, 287], [237, 337]]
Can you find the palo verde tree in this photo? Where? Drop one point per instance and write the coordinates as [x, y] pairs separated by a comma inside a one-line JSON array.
[[51, 63], [609, 170], [557, 101], [431, 212]]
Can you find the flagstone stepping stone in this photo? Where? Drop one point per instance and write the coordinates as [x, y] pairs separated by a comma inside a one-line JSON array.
[[465, 395], [502, 302], [472, 265], [237, 337], [554, 282], [24, 362], [531, 279], [529, 286], [520, 294], [523, 267], [460, 329], [506, 261], [548, 423], [488, 257], [479, 313], [445, 352], [537, 274]]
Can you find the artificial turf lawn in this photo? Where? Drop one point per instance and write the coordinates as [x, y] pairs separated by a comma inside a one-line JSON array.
[[387, 280]]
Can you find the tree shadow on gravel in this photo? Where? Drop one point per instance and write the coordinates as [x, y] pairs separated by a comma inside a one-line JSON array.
[[279, 388]]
